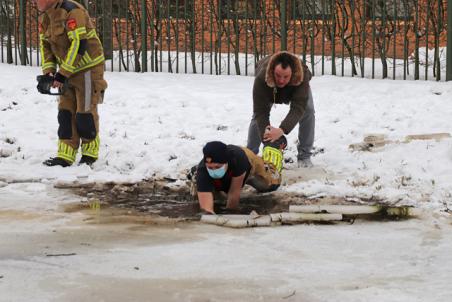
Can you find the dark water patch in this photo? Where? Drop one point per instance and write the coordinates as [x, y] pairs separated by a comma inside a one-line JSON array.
[[171, 200], [166, 199], [168, 205], [147, 197]]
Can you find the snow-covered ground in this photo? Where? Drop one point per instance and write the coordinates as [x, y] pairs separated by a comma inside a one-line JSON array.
[[154, 125]]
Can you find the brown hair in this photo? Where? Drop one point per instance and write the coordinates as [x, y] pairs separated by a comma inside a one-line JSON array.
[[286, 59]]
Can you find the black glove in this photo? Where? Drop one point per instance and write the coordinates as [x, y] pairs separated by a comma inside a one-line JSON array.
[[60, 78], [45, 83]]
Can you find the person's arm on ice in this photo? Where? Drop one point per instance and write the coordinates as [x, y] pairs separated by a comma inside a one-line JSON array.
[[206, 201], [234, 191]]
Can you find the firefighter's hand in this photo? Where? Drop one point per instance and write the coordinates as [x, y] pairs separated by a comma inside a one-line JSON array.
[[271, 134], [59, 80], [57, 84]]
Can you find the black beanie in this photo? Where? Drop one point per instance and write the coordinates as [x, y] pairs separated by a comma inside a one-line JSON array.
[[217, 151]]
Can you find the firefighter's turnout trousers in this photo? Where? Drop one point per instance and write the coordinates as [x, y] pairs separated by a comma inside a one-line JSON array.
[[264, 175], [78, 118]]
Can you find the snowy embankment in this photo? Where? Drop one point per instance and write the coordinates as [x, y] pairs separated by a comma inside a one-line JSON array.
[[154, 125]]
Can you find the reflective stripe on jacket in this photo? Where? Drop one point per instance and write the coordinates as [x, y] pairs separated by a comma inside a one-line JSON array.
[[68, 39]]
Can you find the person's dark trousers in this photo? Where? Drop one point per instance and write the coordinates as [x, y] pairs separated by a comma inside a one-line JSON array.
[[306, 132]]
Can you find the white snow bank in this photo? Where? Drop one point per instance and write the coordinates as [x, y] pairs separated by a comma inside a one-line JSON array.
[[155, 125]]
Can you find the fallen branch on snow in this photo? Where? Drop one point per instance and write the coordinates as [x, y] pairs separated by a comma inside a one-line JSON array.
[[378, 140]]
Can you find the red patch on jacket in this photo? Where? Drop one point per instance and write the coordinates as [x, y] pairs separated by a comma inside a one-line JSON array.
[[40, 28], [71, 24]]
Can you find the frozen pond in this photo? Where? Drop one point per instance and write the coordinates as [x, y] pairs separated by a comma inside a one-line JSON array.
[[52, 255]]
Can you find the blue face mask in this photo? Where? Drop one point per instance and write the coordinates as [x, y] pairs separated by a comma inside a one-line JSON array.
[[217, 173]]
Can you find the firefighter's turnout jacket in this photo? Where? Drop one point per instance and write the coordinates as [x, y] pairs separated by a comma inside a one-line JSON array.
[[68, 38]]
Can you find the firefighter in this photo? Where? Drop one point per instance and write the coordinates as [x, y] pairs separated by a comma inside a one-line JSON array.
[[72, 54], [227, 168]]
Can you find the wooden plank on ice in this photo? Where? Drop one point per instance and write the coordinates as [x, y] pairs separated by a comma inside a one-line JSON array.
[[435, 136], [378, 140]]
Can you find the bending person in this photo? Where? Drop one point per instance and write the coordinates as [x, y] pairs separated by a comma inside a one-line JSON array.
[[227, 168], [283, 79]]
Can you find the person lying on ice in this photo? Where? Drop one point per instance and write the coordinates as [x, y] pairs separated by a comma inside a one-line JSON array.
[[227, 168]]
